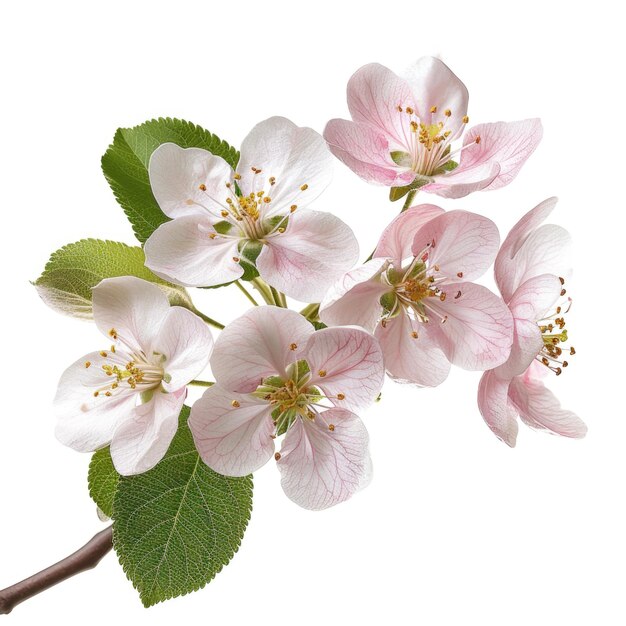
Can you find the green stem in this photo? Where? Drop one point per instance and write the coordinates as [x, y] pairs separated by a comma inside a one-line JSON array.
[[311, 311], [264, 289], [279, 298], [246, 293], [201, 383], [208, 320]]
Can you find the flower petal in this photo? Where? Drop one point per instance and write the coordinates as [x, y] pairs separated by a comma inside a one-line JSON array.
[[294, 156], [141, 442], [396, 242], [539, 408], [186, 342], [346, 362], [527, 342], [478, 330], [409, 359], [507, 143], [462, 244], [355, 297], [493, 403], [130, 307], [315, 250], [183, 252], [232, 440], [258, 344], [87, 422], [176, 175], [535, 298], [320, 467], [458, 184], [366, 152]]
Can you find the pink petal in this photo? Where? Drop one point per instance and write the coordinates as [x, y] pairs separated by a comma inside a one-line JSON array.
[[507, 143], [396, 242], [409, 359], [465, 244], [260, 343], [315, 250], [539, 408], [232, 440], [140, 442], [493, 403], [176, 175], [346, 362], [366, 152], [183, 252], [320, 467], [478, 331], [434, 84], [355, 297], [527, 342], [132, 307], [292, 155], [461, 182], [186, 342], [536, 297], [86, 422], [374, 95]]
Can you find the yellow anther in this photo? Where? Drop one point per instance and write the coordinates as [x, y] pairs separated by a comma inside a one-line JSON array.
[[331, 427], [224, 213], [202, 187], [212, 235], [237, 176], [281, 230], [433, 109], [113, 333], [477, 140], [465, 119], [442, 296], [447, 113], [414, 334], [108, 394], [293, 346], [113, 349], [87, 364], [304, 187], [272, 180], [235, 404], [236, 259], [96, 394], [409, 111], [341, 396], [277, 456], [293, 207], [321, 373], [267, 199], [104, 354]]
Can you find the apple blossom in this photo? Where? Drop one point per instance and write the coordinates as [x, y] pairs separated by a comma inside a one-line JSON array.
[[416, 296], [530, 271], [156, 351], [276, 375], [221, 218], [403, 130]]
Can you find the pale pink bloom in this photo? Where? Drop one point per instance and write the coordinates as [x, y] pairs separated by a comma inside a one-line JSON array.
[[530, 271], [275, 374], [403, 130], [282, 169], [416, 296], [130, 394]]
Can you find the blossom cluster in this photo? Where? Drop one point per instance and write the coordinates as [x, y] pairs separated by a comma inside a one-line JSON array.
[[410, 311]]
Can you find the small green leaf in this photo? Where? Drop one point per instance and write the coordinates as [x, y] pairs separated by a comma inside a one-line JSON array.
[[125, 166], [401, 158], [103, 479], [73, 271], [447, 167], [177, 525], [395, 193]]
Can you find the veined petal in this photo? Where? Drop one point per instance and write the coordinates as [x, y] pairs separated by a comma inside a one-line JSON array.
[[460, 183], [315, 250], [493, 403], [507, 143], [129, 309], [396, 242], [322, 467], [86, 421], [478, 330], [539, 408], [140, 442], [462, 244], [186, 343], [294, 156], [183, 252], [232, 431], [260, 343], [347, 364], [527, 342], [411, 359], [366, 151], [355, 297], [535, 298], [176, 175]]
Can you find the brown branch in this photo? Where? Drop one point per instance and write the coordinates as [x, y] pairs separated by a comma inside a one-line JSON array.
[[83, 559]]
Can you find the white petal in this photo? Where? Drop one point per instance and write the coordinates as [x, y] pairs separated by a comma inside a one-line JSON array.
[[493, 402]]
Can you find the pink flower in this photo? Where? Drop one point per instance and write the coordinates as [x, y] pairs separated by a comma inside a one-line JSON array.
[[276, 375], [530, 272], [403, 130], [156, 351], [416, 296], [215, 228]]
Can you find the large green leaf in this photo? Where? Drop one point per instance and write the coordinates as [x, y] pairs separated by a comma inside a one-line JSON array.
[[125, 165], [73, 271], [103, 479], [177, 525]]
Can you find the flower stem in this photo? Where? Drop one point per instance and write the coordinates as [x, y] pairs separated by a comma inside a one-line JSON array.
[[279, 298], [246, 293], [83, 559], [264, 289], [311, 311], [208, 320], [201, 383]]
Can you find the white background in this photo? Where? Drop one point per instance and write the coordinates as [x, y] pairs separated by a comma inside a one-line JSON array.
[[456, 528]]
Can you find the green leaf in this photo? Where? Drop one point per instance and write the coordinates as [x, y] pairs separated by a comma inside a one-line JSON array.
[[125, 165], [177, 525], [103, 479], [73, 271], [395, 193], [448, 166]]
